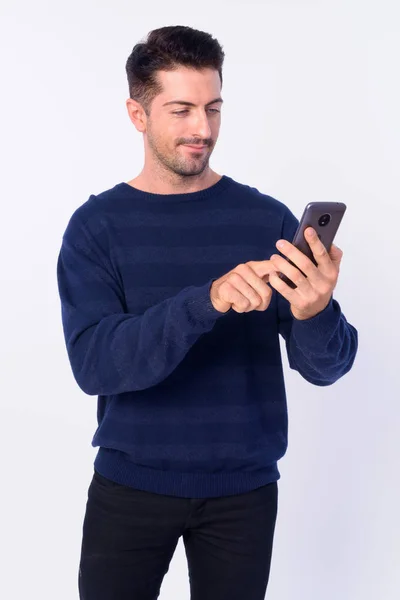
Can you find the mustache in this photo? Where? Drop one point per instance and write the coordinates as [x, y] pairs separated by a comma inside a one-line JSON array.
[[197, 143]]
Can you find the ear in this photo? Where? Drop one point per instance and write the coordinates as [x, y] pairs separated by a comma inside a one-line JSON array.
[[136, 114]]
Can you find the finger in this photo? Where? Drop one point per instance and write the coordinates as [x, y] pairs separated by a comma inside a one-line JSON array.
[[242, 295], [280, 286], [233, 292], [318, 249], [292, 272], [249, 274], [299, 259], [336, 255], [262, 268]]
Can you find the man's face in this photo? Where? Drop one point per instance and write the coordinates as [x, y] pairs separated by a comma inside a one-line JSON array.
[[170, 126]]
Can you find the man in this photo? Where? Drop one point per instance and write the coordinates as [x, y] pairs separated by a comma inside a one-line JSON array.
[[172, 314]]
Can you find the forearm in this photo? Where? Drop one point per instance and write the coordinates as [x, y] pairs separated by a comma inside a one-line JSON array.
[[322, 349], [124, 352]]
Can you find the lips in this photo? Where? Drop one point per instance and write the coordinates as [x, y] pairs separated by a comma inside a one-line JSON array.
[[195, 147]]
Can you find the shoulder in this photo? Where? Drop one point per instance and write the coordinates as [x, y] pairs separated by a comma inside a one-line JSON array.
[[97, 205], [92, 215], [261, 199], [277, 210]]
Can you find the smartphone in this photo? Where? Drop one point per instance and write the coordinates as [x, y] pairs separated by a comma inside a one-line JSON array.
[[325, 218]]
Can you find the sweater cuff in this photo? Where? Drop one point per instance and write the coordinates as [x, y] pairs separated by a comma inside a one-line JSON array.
[[317, 330], [200, 305]]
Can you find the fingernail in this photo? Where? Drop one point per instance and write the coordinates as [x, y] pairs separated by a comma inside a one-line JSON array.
[[280, 244]]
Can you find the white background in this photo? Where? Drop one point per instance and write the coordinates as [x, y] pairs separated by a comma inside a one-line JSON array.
[[311, 112]]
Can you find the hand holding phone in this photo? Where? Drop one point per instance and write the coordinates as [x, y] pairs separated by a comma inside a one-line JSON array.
[[324, 218]]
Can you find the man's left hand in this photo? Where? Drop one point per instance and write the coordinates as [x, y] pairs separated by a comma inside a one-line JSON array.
[[314, 291]]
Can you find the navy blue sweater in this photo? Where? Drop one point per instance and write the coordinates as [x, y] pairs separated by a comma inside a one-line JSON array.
[[191, 401]]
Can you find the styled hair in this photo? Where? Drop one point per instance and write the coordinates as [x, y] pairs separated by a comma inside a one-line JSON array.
[[166, 49]]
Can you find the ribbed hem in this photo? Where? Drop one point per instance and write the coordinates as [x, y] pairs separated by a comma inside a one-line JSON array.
[[318, 330], [113, 465], [200, 305]]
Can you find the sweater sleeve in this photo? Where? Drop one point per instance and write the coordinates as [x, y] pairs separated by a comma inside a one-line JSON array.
[[110, 350], [323, 348]]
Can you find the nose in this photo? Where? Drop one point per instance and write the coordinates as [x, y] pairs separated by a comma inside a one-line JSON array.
[[200, 126]]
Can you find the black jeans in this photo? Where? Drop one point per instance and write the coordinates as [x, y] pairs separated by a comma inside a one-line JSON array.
[[129, 538]]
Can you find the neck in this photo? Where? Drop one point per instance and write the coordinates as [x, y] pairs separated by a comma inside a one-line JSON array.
[[156, 183]]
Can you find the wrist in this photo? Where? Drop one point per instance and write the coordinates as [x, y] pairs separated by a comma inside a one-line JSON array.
[[306, 316]]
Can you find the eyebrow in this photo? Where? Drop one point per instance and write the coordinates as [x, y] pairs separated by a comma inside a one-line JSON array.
[[184, 103]]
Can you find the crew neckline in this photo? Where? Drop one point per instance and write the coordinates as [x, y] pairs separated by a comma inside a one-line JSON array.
[[212, 190]]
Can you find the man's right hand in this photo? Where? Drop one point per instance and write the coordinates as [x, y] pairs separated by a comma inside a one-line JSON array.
[[244, 288]]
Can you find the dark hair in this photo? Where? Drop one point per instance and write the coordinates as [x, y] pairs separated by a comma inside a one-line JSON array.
[[166, 49]]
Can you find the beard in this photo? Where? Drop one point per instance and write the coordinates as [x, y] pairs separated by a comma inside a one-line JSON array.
[[176, 161]]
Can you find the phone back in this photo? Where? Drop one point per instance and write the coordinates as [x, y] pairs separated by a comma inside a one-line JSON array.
[[325, 218]]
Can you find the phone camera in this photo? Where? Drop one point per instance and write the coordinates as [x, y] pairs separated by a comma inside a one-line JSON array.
[[324, 220]]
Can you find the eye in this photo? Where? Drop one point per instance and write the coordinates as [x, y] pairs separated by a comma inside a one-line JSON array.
[[181, 112]]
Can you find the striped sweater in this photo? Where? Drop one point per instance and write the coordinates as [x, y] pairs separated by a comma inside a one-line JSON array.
[[191, 402]]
